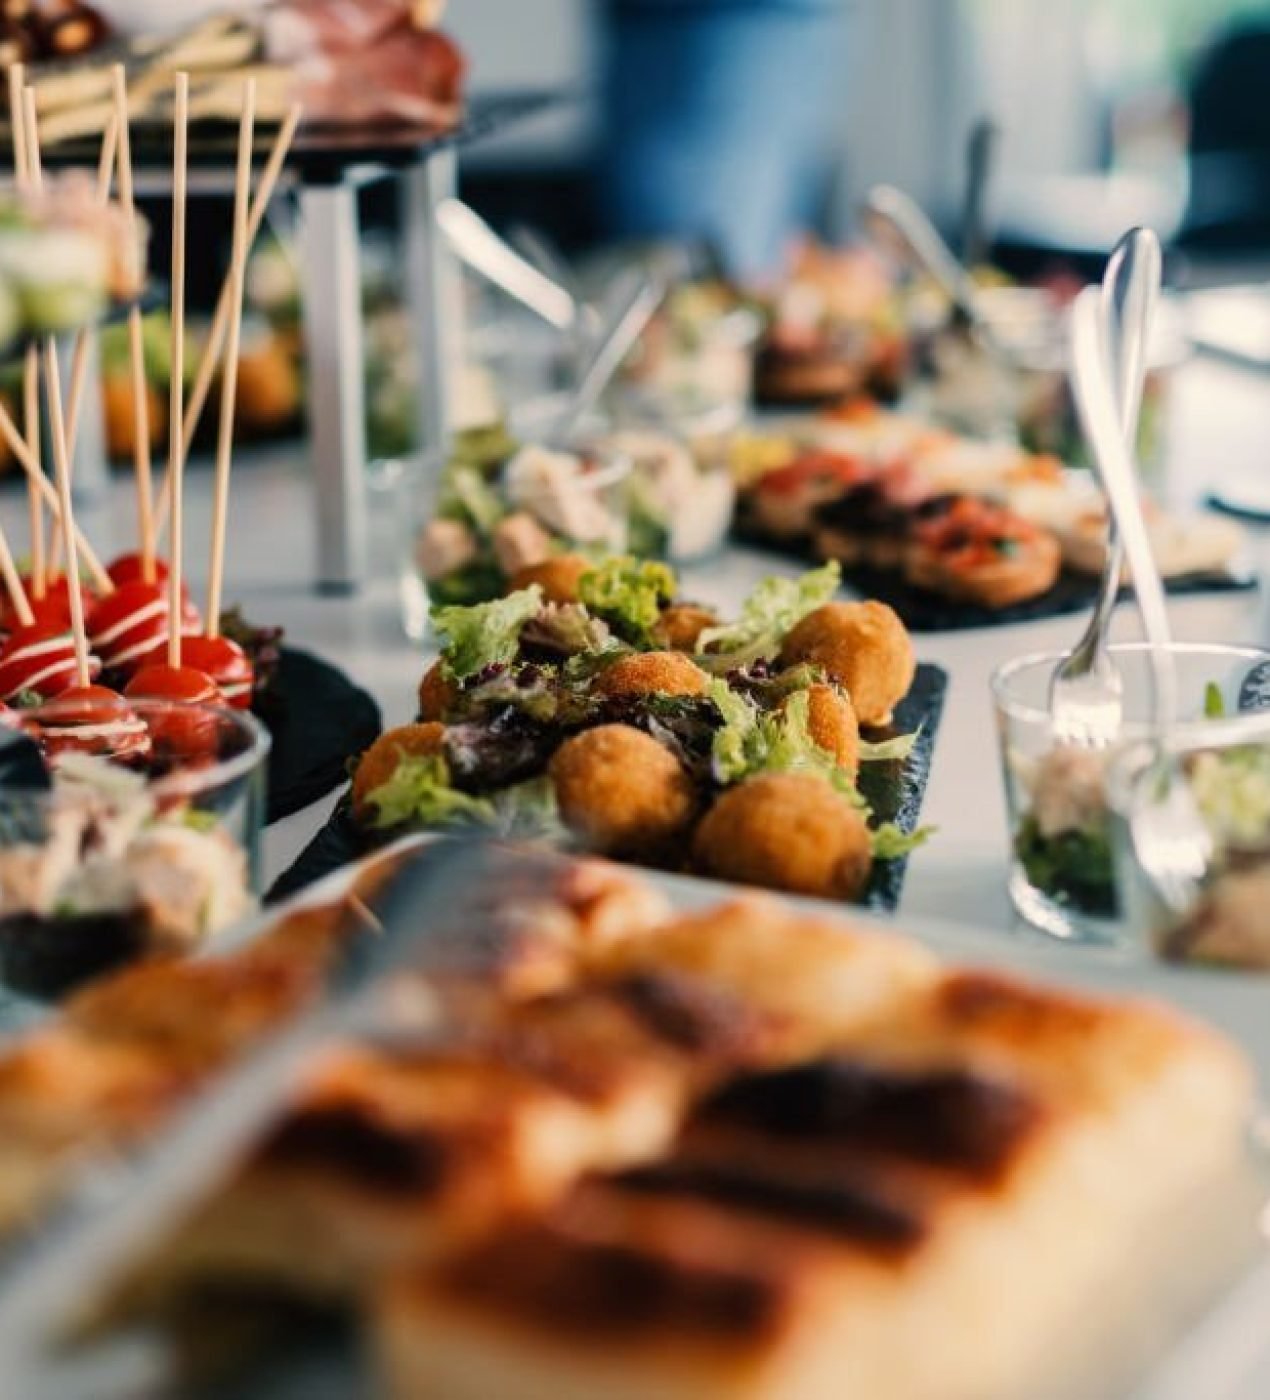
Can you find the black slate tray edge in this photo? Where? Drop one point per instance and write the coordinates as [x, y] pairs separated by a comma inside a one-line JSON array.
[[319, 720], [923, 611]]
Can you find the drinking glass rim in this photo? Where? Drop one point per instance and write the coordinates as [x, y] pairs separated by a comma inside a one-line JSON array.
[[190, 782], [1008, 671]]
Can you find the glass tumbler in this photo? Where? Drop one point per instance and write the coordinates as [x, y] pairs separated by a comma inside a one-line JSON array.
[[122, 858], [1062, 871]]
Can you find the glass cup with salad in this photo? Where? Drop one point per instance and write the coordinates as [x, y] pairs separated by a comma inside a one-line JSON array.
[[1227, 768], [1063, 876]]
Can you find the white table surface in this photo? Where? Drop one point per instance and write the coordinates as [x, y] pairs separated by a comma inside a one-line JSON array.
[[1219, 427]]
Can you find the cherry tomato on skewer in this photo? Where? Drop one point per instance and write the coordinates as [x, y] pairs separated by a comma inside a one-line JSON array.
[[185, 729], [226, 663], [39, 660], [53, 610], [128, 568], [93, 719], [131, 624]]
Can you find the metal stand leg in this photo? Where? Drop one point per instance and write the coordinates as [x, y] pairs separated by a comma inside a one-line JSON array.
[[331, 294], [434, 295]]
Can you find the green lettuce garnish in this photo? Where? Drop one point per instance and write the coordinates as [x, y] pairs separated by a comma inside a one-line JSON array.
[[753, 741], [469, 496], [890, 843], [628, 594], [775, 606], [486, 634], [889, 750], [420, 794], [529, 810], [738, 748], [568, 628]]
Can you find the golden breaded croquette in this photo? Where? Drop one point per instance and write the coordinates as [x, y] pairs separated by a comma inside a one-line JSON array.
[[654, 673], [786, 831], [437, 692], [558, 577], [832, 724], [379, 762], [681, 624], [863, 645], [621, 792]]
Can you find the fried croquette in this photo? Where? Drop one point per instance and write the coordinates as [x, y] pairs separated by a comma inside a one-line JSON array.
[[654, 673], [863, 645], [379, 762], [786, 831], [832, 724], [681, 624], [559, 577], [437, 692], [621, 792]]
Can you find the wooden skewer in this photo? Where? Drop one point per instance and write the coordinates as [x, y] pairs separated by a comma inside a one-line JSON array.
[[31, 364], [143, 481], [84, 336], [36, 477], [233, 342], [202, 388], [62, 471], [28, 462], [13, 583], [176, 463], [57, 421], [35, 502]]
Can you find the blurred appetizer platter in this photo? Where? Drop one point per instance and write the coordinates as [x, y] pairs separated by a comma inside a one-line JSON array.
[[593, 707], [377, 63], [952, 531], [631, 1139]]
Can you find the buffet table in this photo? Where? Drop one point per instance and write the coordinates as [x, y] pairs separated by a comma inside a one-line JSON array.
[[1220, 415]]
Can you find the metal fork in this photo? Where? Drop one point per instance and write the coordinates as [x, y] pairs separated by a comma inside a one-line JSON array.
[[1086, 692], [1170, 838]]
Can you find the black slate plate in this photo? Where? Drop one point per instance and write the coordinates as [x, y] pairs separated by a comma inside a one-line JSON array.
[[923, 611], [319, 720], [894, 790]]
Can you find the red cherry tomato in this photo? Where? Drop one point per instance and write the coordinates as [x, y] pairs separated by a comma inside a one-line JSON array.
[[53, 610], [128, 569], [176, 730], [130, 626], [93, 719], [39, 659], [226, 663]]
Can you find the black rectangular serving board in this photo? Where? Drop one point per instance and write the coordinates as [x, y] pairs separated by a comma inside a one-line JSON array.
[[924, 611], [318, 720], [895, 790]]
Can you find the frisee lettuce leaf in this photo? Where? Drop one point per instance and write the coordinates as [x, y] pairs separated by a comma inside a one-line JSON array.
[[890, 843], [628, 594], [420, 794], [529, 810], [738, 743], [753, 741], [486, 634], [774, 607], [889, 750]]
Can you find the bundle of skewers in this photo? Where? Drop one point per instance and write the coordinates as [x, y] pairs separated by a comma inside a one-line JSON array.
[[95, 637]]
